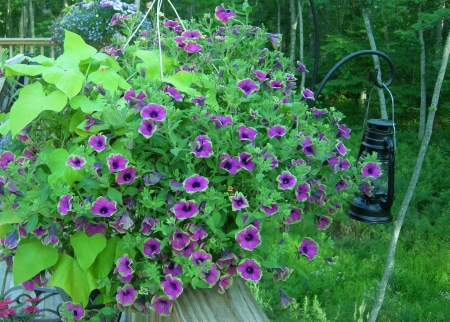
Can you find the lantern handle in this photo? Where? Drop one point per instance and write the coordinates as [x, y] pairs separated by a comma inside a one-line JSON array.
[[390, 196]]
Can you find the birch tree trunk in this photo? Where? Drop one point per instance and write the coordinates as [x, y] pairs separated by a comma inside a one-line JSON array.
[[137, 3], [376, 62], [293, 34], [412, 185], [279, 23], [31, 11], [8, 19], [301, 40], [423, 89]]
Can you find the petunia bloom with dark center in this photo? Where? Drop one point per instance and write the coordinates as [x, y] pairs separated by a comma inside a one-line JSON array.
[[5, 158], [116, 162], [230, 164], [103, 207], [97, 142], [307, 94], [308, 248], [245, 161], [192, 47], [172, 286], [286, 180], [277, 131], [273, 208], [343, 132], [340, 148], [125, 265], [294, 216], [161, 305], [301, 68], [221, 121], [202, 147], [126, 295], [247, 86], [152, 247], [212, 275], [195, 183], [185, 209], [323, 222], [154, 112], [249, 269], [172, 268], [303, 192], [248, 238], [371, 169], [76, 162], [179, 239], [193, 34], [126, 176], [238, 201], [224, 14], [276, 84], [247, 133], [147, 128], [174, 93], [200, 256]]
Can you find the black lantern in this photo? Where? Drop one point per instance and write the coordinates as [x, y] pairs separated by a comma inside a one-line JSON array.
[[376, 208]]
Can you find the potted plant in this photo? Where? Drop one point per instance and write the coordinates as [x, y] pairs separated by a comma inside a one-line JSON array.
[[181, 158]]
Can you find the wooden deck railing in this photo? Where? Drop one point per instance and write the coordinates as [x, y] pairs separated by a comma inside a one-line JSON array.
[[37, 46]]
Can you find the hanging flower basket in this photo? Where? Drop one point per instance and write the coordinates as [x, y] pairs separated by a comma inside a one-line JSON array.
[[180, 160]]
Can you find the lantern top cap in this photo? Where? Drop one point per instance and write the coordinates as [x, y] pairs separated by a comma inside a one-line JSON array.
[[381, 122]]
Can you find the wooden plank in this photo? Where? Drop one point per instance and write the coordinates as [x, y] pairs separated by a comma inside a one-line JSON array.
[[207, 305]]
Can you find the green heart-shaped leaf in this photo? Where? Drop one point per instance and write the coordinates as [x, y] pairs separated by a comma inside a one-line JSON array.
[[87, 248]]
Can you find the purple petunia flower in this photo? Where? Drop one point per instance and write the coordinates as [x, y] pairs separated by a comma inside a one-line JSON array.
[[147, 128], [342, 184], [76, 309], [130, 95], [225, 282], [286, 180], [172, 268], [185, 209], [230, 164], [276, 84], [64, 205], [76, 162], [123, 223], [261, 76], [199, 100], [90, 122], [154, 112], [97, 142], [195, 183], [277, 131], [200, 256], [221, 121], [309, 248], [192, 47], [125, 265], [340, 148], [284, 299], [147, 225], [319, 113], [171, 25], [249, 269], [174, 93], [301, 68], [51, 238], [152, 247], [103, 207], [274, 161], [193, 34], [294, 216], [116, 20], [179, 239], [5, 158], [274, 39], [371, 169], [248, 238], [343, 164], [161, 305], [269, 210], [238, 201], [203, 147], [247, 86], [303, 192], [245, 161], [172, 286], [366, 188], [94, 228], [247, 133], [224, 14], [343, 132], [126, 176], [212, 275], [116, 162], [307, 94], [126, 295], [323, 222], [187, 251]]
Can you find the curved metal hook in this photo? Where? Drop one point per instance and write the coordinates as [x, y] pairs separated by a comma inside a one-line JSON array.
[[359, 53]]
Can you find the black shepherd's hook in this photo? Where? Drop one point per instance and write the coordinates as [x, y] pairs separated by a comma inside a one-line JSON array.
[[342, 61]]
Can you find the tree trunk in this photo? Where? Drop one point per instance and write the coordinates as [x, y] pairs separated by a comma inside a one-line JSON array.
[[31, 10], [8, 20], [137, 3], [412, 185], [279, 23], [301, 39], [423, 89], [376, 62], [293, 34]]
